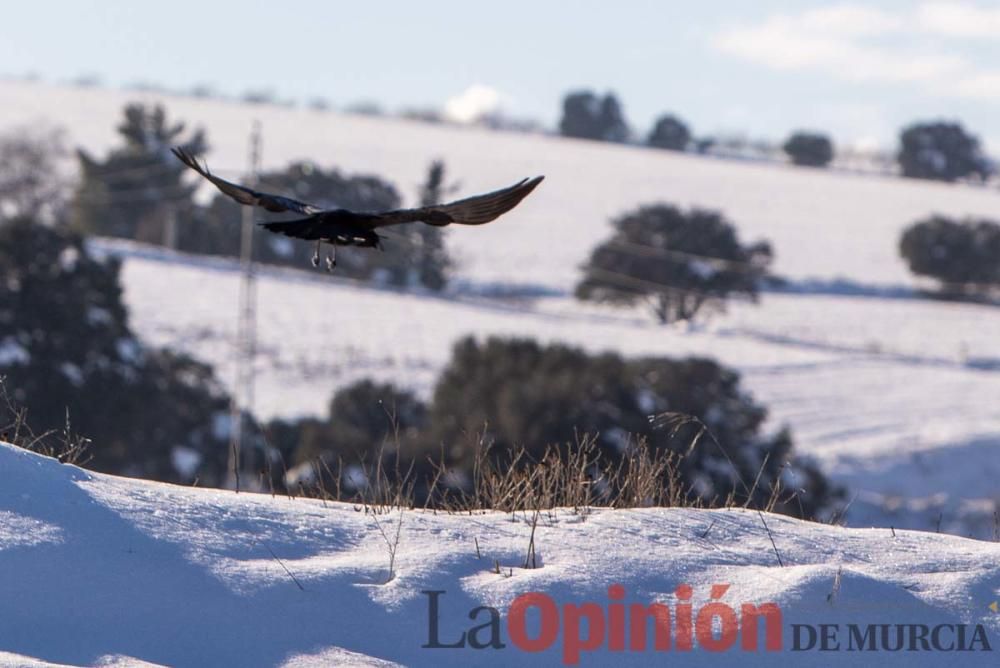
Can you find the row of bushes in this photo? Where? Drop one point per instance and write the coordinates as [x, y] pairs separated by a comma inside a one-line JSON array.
[[678, 262], [504, 396], [940, 150]]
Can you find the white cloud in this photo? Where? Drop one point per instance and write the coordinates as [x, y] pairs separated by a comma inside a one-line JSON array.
[[839, 41], [787, 43], [958, 19], [984, 85], [472, 103], [850, 20]]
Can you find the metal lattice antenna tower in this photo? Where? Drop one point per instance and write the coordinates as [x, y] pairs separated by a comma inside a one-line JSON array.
[[241, 459]]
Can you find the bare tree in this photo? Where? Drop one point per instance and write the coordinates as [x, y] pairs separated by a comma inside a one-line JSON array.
[[30, 183]]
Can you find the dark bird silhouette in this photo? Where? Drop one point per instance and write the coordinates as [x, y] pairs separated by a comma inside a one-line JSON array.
[[340, 227]]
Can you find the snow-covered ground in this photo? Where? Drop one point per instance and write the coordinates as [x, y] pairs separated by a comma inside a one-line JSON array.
[[822, 224], [96, 569], [897, 397]]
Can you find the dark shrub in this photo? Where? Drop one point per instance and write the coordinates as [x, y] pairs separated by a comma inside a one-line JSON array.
[[963, 255], [809, 149], [531, 395], [942, 151], [66, 346], [670, 133], [589, 116]]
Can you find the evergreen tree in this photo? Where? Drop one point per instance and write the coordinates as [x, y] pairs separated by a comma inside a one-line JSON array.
[[365, 419], [670, 133], [427, 254], [131, 193], [809, 149], [66, 347], [504, 394], [588, 116], [526, 394], [214, 230], [941, 151], [963, 255], [675, 261]]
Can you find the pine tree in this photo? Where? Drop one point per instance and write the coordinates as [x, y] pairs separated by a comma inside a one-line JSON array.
[[131, 192], [588, 116], [66, 348], [428, 254]]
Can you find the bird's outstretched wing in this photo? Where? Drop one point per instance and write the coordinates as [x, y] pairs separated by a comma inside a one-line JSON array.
[[243, 195], [470, 211]]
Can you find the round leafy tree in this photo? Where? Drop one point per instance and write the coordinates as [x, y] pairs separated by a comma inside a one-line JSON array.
[[535, 396], [414, 253], [963, 255], [809, 149], [676, 261], [364, 419], [670, 133], [942, 151]]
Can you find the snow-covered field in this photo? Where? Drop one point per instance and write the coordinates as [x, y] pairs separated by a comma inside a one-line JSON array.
[[822, 224], [99, 570], [897, 397]]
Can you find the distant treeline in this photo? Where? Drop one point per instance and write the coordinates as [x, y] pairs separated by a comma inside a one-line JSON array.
[[936, 149]]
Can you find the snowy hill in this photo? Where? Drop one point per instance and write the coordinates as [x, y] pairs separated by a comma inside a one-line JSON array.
[[897, 397], [99, 569], [822, 224]]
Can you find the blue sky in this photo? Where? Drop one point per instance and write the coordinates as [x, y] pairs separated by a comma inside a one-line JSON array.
[[858, 71]]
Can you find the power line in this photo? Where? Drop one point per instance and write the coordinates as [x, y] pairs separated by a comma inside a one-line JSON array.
[[153, 168], [136, 195], [649, 250], [165, 167], [644, 285]]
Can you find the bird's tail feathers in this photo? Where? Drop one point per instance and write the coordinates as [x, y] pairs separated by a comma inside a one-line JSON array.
[[301, 228]]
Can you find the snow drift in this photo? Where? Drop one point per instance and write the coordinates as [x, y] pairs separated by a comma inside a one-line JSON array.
[[100, 569]]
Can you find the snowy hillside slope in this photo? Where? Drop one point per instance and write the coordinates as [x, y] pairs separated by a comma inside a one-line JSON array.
[[95, 568], [823, 224], [897, 398]]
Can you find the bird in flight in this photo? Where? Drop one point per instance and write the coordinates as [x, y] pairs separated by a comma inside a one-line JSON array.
[[340, 227]]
